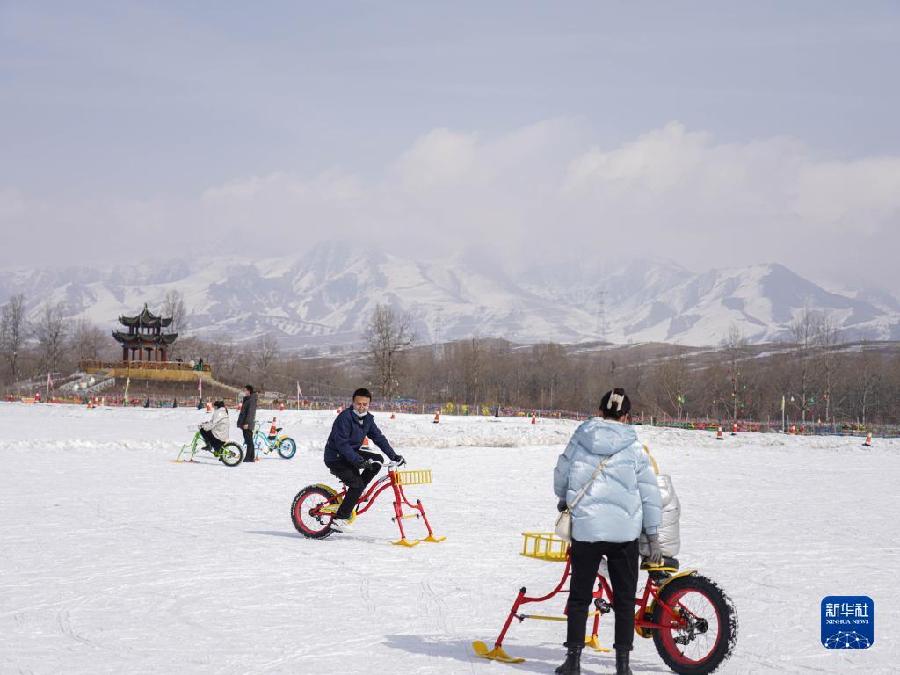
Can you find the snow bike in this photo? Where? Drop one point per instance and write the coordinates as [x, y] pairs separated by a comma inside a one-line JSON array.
[[230, 454], [315, 505], [267, 443], [691, 620]]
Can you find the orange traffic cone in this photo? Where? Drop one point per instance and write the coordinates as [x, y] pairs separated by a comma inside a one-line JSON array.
[[437, 417], [719, 435], [868, 442], [734, 429], [793, 429], [281, 406], [533, 419], [208, 406], [393, 416]]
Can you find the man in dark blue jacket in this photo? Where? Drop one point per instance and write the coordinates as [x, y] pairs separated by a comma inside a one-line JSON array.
[[343, 457]]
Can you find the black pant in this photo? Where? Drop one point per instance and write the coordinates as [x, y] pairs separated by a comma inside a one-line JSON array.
[[354, 479], [622, 560], [250, 453], [211, 440]]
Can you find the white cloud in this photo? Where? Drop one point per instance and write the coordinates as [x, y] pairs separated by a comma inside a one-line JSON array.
[[542, 190]]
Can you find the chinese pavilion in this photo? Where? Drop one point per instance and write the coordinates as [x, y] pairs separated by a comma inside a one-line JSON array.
[[144, 340]]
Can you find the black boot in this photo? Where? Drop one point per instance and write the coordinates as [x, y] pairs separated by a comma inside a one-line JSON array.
[[572, 665], [622, 667]]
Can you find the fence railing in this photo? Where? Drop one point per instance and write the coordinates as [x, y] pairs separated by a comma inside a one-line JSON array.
[[87, 366]]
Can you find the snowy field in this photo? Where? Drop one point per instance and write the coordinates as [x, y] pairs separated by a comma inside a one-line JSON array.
[[114, 559]]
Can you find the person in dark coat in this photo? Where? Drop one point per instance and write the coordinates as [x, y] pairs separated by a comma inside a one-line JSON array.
[[246, 420], [344, 459]]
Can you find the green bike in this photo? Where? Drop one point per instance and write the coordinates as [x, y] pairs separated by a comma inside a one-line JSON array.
[[230, 454]]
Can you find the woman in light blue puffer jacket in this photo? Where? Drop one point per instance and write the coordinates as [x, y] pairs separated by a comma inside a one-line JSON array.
[[607, 521]]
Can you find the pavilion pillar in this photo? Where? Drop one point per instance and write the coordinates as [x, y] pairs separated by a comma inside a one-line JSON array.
[[124, 353]]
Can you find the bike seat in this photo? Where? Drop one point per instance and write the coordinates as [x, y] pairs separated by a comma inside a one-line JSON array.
[[668, 564]]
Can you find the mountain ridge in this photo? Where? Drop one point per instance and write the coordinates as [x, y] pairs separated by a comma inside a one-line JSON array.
[[325, 296]]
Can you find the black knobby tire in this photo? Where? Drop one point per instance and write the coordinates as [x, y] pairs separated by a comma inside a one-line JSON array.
[[287, 448], [704, 601], [231, 454], [313, 527]]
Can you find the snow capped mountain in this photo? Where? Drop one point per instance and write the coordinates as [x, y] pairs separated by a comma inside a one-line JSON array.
[[326, 297]]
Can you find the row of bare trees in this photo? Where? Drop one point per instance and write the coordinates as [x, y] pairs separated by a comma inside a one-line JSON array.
[[817, 377], [50, 342], [45, 344], [814, 376]]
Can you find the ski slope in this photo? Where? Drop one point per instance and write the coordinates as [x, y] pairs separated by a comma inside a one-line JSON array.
[[114, 559]]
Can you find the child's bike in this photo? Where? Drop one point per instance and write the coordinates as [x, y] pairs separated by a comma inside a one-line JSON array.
[[273, 441], [692, 622], [315, 505], [230, 454]]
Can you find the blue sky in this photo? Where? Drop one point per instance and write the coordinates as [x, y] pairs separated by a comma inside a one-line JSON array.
[[303, 121]]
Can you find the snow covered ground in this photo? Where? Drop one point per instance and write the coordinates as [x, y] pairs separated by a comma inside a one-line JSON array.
[[114, 559]]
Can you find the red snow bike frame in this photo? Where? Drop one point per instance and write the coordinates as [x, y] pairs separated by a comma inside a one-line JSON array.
[[662, 611], [395, 481]]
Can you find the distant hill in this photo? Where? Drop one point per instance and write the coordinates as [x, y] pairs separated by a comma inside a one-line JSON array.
[[326, 296]]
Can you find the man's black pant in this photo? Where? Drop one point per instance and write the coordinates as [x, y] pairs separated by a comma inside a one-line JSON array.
[[250, 452], [622, 560], [211, 440], [354, 479]]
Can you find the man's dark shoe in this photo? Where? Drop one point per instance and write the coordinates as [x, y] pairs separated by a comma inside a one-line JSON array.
[[572, 664], [622, 667]]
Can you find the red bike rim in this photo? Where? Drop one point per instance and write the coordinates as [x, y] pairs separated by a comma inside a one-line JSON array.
[[304, 519], [698, 604]]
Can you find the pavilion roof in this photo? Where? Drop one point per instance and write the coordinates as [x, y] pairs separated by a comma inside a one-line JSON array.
[[138, 339], [145, 318]]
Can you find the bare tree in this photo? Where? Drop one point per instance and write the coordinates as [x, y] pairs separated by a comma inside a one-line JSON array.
[[868, 381], [673, 378], [827, 338], [13, 329], [173, 305], [735, 347], [50, 331], [805, 329], [87, 341], [265, 355], [387, 335]]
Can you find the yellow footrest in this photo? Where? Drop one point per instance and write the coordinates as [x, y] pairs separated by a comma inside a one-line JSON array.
[[406, 542], [433, 539], [495, 654], [594, 644]]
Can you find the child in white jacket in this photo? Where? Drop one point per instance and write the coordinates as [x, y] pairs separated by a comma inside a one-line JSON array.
[[215, 429]]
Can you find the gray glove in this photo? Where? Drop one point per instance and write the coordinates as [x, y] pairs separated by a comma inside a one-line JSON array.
[[655, 556]]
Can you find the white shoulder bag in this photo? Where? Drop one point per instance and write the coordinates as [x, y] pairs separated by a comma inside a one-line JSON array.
[[564, 521]]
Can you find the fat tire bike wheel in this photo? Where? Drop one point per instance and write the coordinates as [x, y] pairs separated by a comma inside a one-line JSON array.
[[306, 523], [287, 448], [708, 639], [231, 454]]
